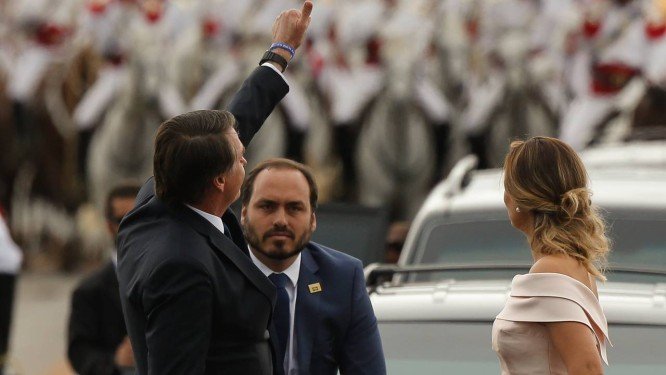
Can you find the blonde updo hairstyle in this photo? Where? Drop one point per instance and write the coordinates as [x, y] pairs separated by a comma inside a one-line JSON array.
[[546, 177]]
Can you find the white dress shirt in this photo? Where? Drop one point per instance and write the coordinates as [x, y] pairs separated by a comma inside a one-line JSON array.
[[215, 220], [290, 363]]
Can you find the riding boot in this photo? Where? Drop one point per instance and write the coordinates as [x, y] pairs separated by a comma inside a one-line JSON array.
[[85, 136], [478, 145], [345, 137], [295, 144], [26, 130], [442, 133]]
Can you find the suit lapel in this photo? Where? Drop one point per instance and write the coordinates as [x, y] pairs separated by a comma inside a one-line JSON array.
[[235, 231], [228, 249], [307, 310]]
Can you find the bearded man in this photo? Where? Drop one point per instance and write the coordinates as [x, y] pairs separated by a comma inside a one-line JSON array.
[[323, 320]]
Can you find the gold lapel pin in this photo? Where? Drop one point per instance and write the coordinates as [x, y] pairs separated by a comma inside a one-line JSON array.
[[314, 288]]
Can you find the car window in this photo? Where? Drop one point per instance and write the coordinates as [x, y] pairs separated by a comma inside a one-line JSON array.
[[637, 243], [465, 348], [464, 242]]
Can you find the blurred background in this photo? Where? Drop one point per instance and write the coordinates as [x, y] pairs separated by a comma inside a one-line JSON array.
[[385, 96]]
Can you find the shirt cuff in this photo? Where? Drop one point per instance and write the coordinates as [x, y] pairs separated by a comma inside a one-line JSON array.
[[277, 71]]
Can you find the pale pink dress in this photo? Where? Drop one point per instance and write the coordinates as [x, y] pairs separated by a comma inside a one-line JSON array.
[[521, 340]]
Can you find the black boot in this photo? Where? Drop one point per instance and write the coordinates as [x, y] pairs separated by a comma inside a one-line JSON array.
[[295, 144], [478, 145], [345, 137]]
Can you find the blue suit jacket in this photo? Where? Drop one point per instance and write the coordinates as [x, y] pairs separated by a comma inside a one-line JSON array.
[[336, 327]]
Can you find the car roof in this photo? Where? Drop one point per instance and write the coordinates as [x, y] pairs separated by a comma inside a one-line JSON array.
[[482, 300], [639, 188], [617, 187], [644, 154]]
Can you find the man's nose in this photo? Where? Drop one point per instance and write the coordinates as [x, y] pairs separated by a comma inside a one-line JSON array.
[[280, 217]]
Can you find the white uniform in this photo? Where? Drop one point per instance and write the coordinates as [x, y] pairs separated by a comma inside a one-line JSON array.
[[348, 81], [613, 49], [10, 253], [654, 67]]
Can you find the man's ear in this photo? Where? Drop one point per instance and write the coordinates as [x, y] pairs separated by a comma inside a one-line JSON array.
[[314, 222], [243, 213], [218, 182]]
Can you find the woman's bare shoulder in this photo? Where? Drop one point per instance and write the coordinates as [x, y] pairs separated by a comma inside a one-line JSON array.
[[564, 265]]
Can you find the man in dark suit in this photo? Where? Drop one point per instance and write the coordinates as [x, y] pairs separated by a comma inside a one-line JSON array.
[[97, 337], [323, 320], [193, 301]]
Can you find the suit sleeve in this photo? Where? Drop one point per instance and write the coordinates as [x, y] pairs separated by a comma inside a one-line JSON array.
[[84, 351], [362, 351], [255, 101], [177, 303]]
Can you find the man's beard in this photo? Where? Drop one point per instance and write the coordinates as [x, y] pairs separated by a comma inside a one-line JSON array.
[[279, 252]]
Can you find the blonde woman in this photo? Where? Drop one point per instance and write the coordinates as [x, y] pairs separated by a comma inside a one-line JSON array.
[[552, 322]]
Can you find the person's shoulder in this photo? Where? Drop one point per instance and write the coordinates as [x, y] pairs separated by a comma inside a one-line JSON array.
[[157, 223], [95, 280], [562, 265], [327, 255], [179, 244], [146, 192], [158, 243]]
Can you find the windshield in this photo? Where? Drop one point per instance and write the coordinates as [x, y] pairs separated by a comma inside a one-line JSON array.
[[637, 243], [465, 348]]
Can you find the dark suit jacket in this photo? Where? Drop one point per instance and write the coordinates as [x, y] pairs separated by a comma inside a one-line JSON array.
[[96, 324], [335, 328], [194, 303]]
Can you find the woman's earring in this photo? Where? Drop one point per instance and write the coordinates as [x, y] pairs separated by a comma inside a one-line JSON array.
[[517, 209]]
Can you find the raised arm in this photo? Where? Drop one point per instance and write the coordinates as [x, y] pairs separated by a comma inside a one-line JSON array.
[[265, 87]]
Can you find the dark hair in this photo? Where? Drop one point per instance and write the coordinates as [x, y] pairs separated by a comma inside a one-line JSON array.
[[127, 190], [279, 163], [190, 150]]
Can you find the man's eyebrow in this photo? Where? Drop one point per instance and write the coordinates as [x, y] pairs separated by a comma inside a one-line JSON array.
[[269, 200]]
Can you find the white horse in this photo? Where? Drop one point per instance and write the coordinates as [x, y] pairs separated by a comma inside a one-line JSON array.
[[395, 153], [507, 88], [122, 148]]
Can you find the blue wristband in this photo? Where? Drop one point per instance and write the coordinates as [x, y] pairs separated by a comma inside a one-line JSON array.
[[285, 47]]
